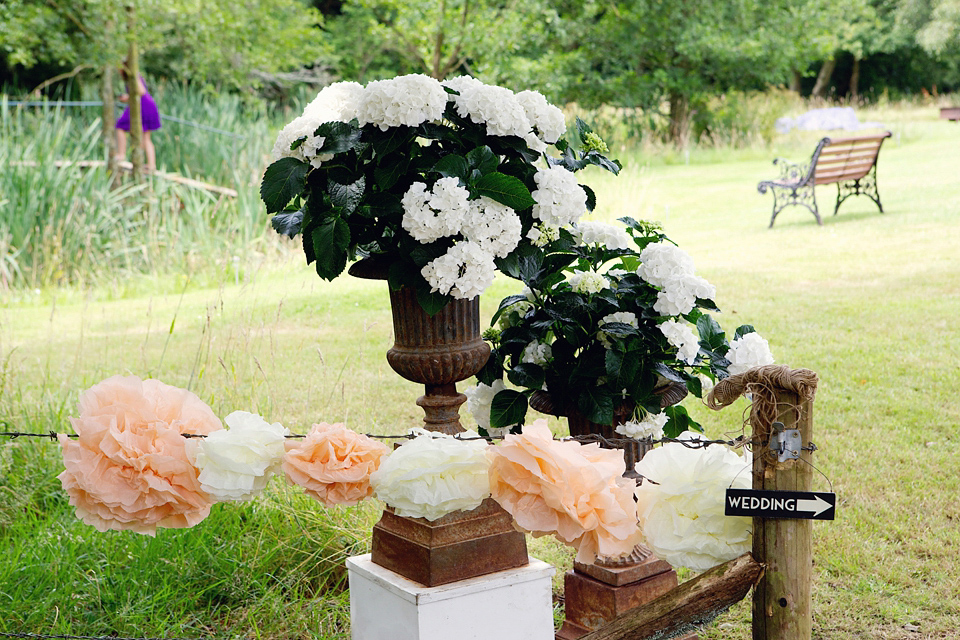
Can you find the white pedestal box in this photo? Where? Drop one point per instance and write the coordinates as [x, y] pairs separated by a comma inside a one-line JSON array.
[[515, 604]]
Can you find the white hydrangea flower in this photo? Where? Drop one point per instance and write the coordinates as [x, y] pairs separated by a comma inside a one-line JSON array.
[[464, 271], [663, 261], [706, 384], [625, 317], [650, 427], [547, 119], [537, 353], [592, 232], [433, 475], [237, 463], [560, 201], [479, 402], [542, 234], [588, 282], [429, 216], [683, 338], [495, 107], [402, 101], [494, 226], [747, 352], [682, 516], [341, 98], [303, 126], [679, 294]]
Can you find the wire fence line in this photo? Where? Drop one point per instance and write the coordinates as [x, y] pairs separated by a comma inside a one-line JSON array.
[[98, 103], [612, 443]]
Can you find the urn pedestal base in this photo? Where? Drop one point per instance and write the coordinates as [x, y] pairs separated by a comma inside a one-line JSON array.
[[595, 594], [461, 545]]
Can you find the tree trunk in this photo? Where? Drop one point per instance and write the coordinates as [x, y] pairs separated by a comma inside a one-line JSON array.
[[679, 118], [133, 91], [795, 81], [823, 78], [855, 80], [108, 116]]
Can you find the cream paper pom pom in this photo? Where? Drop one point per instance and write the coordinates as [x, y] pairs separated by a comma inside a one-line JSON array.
[[433, 475], [682, 516], [236, 463]]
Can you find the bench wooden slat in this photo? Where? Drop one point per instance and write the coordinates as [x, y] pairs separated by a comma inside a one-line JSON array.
[[836, 155]]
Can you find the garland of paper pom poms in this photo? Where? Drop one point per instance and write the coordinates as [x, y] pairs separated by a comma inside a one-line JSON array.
[[132, 467]]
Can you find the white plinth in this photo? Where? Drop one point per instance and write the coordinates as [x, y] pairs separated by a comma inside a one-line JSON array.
[[515, 604]]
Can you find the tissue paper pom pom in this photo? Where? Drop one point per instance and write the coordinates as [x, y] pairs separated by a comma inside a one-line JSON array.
[[333, 464], [575, 492], [128, 469], [682, 516], [237, 463], [433, 475]]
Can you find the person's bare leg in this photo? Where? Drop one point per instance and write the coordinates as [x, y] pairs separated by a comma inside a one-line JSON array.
[[150, 151], [121, 145]]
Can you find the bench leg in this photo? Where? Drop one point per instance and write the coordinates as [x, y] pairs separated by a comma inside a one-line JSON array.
[[804, 196], [865, 186]]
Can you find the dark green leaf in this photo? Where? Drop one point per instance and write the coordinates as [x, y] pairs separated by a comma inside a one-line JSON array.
[[483, 159], [711, 335], [330, 241], [679, 421], [492, 370], [602, 161], [743, 330], [596, 404], [287, 223], [526, 374], [453, 166], [338, 137], [509, 407], [619, 329], [347, 196], [386, 142], [282, 180], [431, 301], [667, 372], [389, 172], [591, 197], [506, 302]]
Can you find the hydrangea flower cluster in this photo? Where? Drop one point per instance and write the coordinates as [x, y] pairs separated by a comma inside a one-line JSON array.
[[683, 338], [611, 237], [464, 271], [670, 268], [651, 426], [459, 167], [560, 200], [748, 351]]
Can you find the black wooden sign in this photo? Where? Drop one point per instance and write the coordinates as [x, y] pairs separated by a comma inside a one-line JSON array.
[[759, 503]]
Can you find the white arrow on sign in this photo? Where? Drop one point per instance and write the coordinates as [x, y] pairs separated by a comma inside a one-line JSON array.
[[818, 505]]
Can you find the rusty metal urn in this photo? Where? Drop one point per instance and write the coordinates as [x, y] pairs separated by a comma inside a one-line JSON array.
[[437, 351]]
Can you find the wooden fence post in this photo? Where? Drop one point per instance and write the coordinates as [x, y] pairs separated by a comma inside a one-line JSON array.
[[782, 598], [782, 400]]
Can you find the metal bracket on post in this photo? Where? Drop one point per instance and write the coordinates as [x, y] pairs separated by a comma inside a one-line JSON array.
[[786, 443]]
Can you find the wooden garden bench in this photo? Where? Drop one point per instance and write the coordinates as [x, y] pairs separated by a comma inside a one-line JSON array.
[[851, 163]]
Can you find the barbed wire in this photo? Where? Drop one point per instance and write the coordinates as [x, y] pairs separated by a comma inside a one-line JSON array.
[[610, 443]]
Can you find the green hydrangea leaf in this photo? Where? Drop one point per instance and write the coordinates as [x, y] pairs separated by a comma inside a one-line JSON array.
[[509, 407], [282, 180], [331, 239]]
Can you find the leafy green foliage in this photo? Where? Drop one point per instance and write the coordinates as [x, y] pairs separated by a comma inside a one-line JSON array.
[[282, 180]]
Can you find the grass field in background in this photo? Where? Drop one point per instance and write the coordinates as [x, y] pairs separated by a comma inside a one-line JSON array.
[[868, 301]]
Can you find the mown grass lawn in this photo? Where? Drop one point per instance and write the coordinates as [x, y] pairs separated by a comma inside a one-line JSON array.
[[868, 301]]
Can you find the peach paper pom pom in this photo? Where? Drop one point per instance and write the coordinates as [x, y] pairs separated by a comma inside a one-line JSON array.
[[128, 469], [566, 489], [333, 464]]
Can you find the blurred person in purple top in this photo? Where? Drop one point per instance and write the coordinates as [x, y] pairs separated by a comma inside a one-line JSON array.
[[149, 116]]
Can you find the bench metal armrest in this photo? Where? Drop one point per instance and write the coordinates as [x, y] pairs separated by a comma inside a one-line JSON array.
[[793, 173]]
